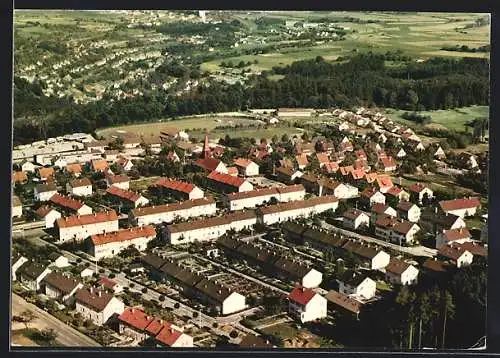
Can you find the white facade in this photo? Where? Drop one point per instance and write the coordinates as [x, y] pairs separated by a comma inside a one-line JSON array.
[[361, 219], [81, 232], [413, 214], [251, 169], [17, 211], [233, 303], [441, 240], [280, 216], [60, 163], [99, 318], [465, 259], [312, 279], [378, 197], [141, 201], [84, 190], [84, 210], [408, 277], [20, 261], [366, 289], [463, 212], [420, 195], [196, 193], [409, 237], [28, 167], [184, 341], [51, 218], [56, 294], [315, 309], [380, 260], [236, 203], [61, 262], [45, 195], [169, 216], [113, 248], [34, 285]]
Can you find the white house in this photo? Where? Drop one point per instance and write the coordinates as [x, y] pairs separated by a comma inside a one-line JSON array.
[[371, 196], [180, 189], [120, 181], [461, 207], [375, 258], [86, 272], [61, 287], [401, 153], [295, 209], [169, 212], [307, 305], [58, 260], [17, 207], [354, 218], [459, 236], [48, 214], [79, 187], [111, 285], [110, 244], [246, 167], [408, 211], [419, 191], [125, 164], [31, 274], [457, 255], [250, 199], [356, 284], [97, 305], [401, 273], [381, 209], [79, 227], [228, 301], [17, 262], [43, 192], [28, 167], [60, 163]]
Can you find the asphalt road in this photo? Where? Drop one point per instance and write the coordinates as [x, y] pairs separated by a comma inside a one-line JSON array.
[[67, 336]]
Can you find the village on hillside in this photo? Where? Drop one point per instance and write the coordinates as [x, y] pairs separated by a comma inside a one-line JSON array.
[[168, 241]]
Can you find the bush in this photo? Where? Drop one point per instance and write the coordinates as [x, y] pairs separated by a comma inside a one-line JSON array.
[[195, 314], [112, 275], [177, 305], [132, 285], [101, 270], [161, 298], [144, 290], [233, 334], [215, 325], [78, 260]]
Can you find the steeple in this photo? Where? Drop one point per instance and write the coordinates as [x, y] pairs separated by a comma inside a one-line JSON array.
[[206, 149]]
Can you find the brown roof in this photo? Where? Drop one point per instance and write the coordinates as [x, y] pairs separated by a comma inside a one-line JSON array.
[[405, 205], [46, 172], [42, 188], [61, 282], [66, 202], [90, 219], [19, 177], [213, 221], [93, 298], [42, 211], [457, 204], [344, 301], [379, 208], [242, 162], [176, 185], [123, 194], [435, 265], [265, 191], [80, 182], [452, 252], [353, 214], [209, 164], [417, 187], [473, 247], [299, 204], [457, 234], [120, 178], [361, 249], [302, 159], [124, 235], [216, 291], [397, 266], [286, 171], [369, 192], [183, 205]]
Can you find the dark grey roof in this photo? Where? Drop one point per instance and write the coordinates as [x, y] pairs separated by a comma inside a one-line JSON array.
[[216, 291], [31, 270], [154, 261]]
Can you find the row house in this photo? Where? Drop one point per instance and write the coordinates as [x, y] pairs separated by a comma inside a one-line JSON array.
[[61, 287], [401, 273], [408, 211], [346, 303], [209, 228], [120, 181], [110, 244], [395, 230], [294, 209], [251, 199], [48, 214], [381, 209], [288, 175], [227, 183], [372, 257], [445, 237], [97, 305], [246, 167], [170, 212], [306, 305], [134, 323], [462, 207], [180, 189], [43, 192], [69, 204], [31, 274], [80, 187], [79, 227], [130, 198]]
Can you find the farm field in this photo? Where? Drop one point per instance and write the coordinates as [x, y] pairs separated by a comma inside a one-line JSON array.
[[451, 118]]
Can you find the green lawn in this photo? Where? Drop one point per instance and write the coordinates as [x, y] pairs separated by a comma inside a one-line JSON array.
[[282, 330], [449, 118], [256, 133]]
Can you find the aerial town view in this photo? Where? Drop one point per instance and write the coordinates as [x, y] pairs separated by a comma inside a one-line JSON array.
[[249, 180]]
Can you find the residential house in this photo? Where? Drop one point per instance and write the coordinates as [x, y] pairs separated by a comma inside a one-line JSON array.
[[419, 192], [462, 207], [130, 198], [60, 163], [398, 193], [352, 283], [345, 302], [307, 305], [286, 211], [384, 183], [74, 169], [99, 165], [119, 181], [179, 189], [408, 211], [436, 221], [354, 218], [124, 163], [211, 165], [17, 262], [225, 300], [31, 274], [445, 237], [370, 196], [373, 258], [227, 183], [330, 167], [28, 167], [19, 177], [17, 207], [251, 199], [79, 187], [395, 230], [302, 161], [401, 153], [48, 214], [58, 260], [401, 273], [381, 209], [246, 167], [455, 254], [288, 175], [97, 305], [322, 159], [107, 284], [43, 192], [61, 287], [387, 164], [79, 227], [46, 173], [69, 204]]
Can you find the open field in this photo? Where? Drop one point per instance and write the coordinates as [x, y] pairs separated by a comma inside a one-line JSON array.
[[451, 118], [256, 133]]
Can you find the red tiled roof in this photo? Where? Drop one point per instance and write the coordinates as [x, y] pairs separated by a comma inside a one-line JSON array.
[[156, 325], [90, 219], [388, 162], [168, 336], [331, 167], [121, 178], [417, 187], [106, 282], [384, 181], [473, 247], [302, 159], [451, 251], [358, 173], [123, 194], [122, 162], [361, 164], [301, 295], [66, 201], [405, 205], [371, 177], [209, 164], [346, 170], [124, 235], [394, 191], [322, 158], [233, 171], [176, 185], [242, 162], [99, 164], [353, 213], [80, 182], [457, 234], [136, 318], [46, 172], [226, 179], [19, 177], [183, 205], [457, 204], [397, 266]]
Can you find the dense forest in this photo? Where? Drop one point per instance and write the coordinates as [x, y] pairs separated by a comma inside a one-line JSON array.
[[364, 79]]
